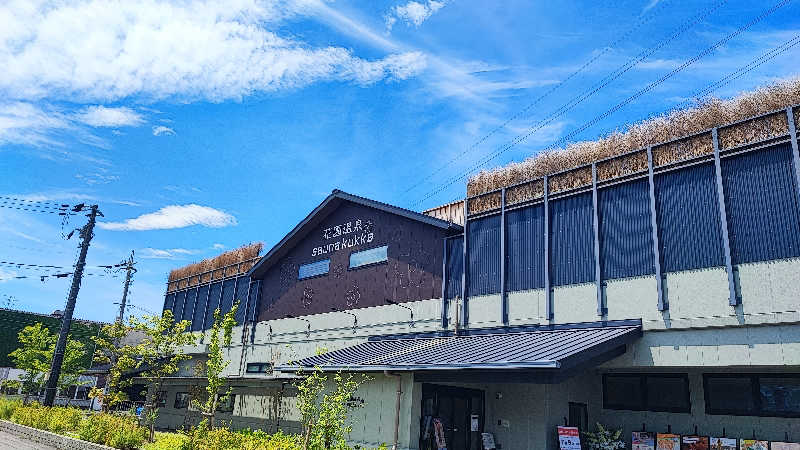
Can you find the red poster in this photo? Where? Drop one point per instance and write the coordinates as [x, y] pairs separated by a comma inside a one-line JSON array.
[[569, 438]]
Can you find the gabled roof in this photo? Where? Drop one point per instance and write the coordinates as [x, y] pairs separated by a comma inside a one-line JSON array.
[[330, 204]]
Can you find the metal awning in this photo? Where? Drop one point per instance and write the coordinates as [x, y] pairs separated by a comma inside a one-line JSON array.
[[541, 350]]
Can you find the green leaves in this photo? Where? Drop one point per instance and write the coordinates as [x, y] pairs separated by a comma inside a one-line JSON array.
[[216, 363], [37, 345]]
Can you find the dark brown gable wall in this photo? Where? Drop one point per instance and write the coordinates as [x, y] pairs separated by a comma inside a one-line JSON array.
[[413, 272]]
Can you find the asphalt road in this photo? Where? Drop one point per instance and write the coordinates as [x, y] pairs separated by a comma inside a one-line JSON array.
[[10, 441]]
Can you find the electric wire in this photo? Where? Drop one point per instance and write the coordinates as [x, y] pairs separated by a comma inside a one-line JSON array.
[[546, 94], [522, 137]]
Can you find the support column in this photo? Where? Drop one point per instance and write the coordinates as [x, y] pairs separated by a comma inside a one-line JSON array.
[[503, 299], [733, 299], [598, 279], [795, 151], [548, 290], [445, 276], [663, 305], [465, 263]]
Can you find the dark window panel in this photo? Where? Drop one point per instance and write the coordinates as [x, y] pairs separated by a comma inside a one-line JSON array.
[[729, 395], [668, 393], [571, 240], [200, 307], [623, 392], [213, 304], [484, 255]]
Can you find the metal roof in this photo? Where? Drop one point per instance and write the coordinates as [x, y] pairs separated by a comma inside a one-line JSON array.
[[323, 210], [546, 349]]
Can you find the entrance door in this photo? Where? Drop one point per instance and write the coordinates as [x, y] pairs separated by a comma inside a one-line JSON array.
[[460, 412]]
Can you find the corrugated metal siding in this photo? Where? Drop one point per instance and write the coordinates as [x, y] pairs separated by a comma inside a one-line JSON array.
[[227, 295], [169, 302], [213, 303], [484, 255], [255, 297], [761, 200], [455, 267], [199, 310], [180, 298], [188, 310], [690, 234], [241, 296], [525, 243], [626, 239], [571, 240]]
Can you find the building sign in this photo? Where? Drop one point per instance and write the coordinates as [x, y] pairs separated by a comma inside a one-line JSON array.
[[668, 441], [721, 443], [349, 234], [569, 438]]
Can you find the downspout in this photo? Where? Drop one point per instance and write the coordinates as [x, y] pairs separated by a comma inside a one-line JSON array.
[[396, 407]]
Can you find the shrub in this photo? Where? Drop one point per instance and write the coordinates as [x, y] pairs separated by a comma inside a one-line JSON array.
[[7, 407], [604, 439], [166, 441], [120, 432]]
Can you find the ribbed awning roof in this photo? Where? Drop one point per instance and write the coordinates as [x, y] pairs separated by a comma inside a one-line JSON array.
[[546, 349]]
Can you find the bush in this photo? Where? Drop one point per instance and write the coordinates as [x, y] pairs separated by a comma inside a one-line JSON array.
[[7, 407], [201, 438], [120, 432], [166, 441], [57, 420]]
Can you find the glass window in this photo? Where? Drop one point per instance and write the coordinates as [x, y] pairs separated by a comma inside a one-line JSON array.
[[259, 367], [623, 392], [647, 392], [181, 400], [780, 395], [313, 269], [668, 393], [729, 395], [366, 257]]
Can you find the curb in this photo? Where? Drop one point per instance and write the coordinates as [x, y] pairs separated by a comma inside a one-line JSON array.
[[47, 438]]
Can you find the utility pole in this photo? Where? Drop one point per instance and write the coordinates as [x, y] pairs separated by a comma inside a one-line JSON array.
[[129, 269], [86, 234]]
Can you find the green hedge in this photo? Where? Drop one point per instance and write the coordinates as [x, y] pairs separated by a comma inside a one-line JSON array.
[[118, 431]]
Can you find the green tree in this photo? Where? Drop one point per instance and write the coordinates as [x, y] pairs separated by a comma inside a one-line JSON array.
[[35, 353], [121, 360], [324, 408], [159, 355], [216, 363]]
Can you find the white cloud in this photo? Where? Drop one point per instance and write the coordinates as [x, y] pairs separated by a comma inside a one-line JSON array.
[[24, 123], [218, 246], [97, 178], [173, 216], [101, 116], [413, 13], [100, 51], [158, 130], [6, 275], [157, 253]]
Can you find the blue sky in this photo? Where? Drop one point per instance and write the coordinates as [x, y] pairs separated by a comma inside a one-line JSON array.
[[198, 127]]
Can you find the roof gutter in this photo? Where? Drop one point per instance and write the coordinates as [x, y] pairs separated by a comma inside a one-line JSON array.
[[545, 364]]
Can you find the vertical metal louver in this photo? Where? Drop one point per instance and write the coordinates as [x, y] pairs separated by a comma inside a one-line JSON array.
[[188, 309], [762, 205], [689, 230], [169, 302], [525, 255], [180, 299], [200, 308], [228, 287], [241, 297], [571, 240], [626, 239], [255, 298], [454, 267], [213, 304], [484, 255]]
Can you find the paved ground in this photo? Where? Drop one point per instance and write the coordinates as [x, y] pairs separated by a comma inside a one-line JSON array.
[[10, 441]]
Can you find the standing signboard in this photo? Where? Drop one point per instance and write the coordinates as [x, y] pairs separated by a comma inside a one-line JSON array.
[[721, 443], [667, 441], [569, 438], [694, 443], [753, 444], [643, 440]]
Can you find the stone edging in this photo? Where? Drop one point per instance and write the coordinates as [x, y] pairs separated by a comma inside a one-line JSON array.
[[47, 438]]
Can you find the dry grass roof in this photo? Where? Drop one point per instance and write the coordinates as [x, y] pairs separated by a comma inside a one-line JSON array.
[[212, 268], [705, 114]]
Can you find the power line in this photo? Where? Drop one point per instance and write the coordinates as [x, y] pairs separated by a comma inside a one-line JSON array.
[[521, 138], [608, 79], [535, 102], [41, 202], [21, 208]]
